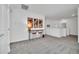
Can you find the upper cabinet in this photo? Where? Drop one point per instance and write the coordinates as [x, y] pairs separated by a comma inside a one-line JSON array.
[[36, 24], [40, 23]]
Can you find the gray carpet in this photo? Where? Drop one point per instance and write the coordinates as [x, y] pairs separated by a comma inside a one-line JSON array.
[[47, 45]]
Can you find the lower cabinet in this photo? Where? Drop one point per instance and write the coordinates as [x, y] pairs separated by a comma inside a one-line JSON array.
[[36, 34], [56, 32]]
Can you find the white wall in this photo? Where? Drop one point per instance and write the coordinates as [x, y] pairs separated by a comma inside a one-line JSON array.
[[4, 24], [19, 30], [71, 25]]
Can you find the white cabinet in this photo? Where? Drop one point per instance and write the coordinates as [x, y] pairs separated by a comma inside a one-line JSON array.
[[35, 23], [37, 27], [56, 32]]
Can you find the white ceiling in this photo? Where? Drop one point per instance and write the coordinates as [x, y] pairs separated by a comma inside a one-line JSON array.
[[54, 11]]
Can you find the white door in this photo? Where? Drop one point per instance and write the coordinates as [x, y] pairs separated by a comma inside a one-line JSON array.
[[4, 32]]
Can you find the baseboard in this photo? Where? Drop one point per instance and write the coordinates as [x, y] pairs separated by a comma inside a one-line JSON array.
[[18, 40], [73, 35], [24, 40], [52, 36]]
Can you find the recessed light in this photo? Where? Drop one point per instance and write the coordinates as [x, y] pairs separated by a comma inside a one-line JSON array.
[[73, 14], [63, 21]]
